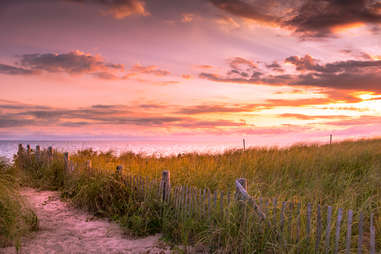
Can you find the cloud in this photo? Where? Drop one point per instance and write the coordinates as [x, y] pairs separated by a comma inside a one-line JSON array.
[[187, 17], [119, 9], [275, 66], [14, 115], [79, 63], [362, 120], [74, 62], [151, 69], [359, 75], [256, 11], [206, 109], [308, 18], [321, 17], [302, 63], [204, 66], [313, 117], [228, 21], [13, 70], [187, 76], [238, 62]]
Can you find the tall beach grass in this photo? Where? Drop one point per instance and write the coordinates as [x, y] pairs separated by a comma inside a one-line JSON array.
[[16, 218], [344, 175]]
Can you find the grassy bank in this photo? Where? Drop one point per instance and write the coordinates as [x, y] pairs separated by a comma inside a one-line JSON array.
[[345, 175], [16, 219]]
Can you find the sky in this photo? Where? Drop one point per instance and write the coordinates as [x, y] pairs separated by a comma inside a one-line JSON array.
[[274, 72]]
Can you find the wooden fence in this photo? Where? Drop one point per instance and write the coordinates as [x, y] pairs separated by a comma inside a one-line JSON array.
[[324, 229]]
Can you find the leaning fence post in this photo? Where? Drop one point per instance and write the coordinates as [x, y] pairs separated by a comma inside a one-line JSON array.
[[243, 183], [166, 184]]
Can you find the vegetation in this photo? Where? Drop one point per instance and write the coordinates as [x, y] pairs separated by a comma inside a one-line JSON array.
[[345, 175], [16, 219]]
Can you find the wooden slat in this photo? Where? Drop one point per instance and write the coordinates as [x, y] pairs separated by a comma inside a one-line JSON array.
[[299, 223], [338, 225], [222, 204], [361, 232], [209, 204], [282, 216], [290, 213], [190, 200], [308, 223], [181, 195], [274, 210], [215, 201], [318, 229], [372, 235], [266, 207], [349, 232], [203, 202], [175, 197], [260, 203], [185, 201], [200, 202], [328, 229]]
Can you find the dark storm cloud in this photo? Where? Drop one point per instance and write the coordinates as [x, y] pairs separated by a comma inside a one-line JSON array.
[[318, 17], [309, 18], [350, 75]]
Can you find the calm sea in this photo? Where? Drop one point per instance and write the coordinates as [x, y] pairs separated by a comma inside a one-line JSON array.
[[159, 148]]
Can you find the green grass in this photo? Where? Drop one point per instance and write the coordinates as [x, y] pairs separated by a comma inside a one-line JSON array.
[[346, 175], [16, 219]]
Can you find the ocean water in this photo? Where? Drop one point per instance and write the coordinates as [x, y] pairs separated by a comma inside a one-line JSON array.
[[158, 148]]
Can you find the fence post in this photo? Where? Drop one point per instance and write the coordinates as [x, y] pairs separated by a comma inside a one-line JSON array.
[[50, 155], [166, 184], [37, 153], [243, 182], [20, 150], [66, 158], [28, 151], [119, 168]]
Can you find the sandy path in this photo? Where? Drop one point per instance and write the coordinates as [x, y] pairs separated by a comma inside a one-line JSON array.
[[64, 229]]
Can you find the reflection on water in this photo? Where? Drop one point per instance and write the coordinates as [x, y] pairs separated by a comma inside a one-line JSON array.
[[159, 148]]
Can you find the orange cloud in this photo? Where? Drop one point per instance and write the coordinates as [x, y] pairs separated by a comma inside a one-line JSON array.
[[119, 9], [151, 69], [187, 17], [187, 76], [313, 117]]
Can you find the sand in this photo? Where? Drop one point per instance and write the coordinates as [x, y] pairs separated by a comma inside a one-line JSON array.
[[65, 229]]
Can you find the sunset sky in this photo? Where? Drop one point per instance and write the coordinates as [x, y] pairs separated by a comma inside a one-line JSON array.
[[274, 71]]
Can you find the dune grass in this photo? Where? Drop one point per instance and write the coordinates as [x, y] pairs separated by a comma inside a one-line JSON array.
[[345, 175], [16, 219]]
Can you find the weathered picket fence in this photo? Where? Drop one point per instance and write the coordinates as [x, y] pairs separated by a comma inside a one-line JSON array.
[[322, 229]]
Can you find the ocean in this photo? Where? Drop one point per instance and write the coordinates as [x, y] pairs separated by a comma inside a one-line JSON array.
[[158, 148]]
